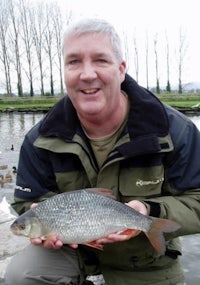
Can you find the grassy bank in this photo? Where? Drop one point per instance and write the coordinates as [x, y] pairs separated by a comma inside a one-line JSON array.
[[27, 103], [177, 100], [44, 103]]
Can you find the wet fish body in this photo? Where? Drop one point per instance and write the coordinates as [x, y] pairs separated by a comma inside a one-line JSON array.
[[83, 216]]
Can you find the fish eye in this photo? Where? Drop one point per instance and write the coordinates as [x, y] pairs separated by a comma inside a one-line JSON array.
[[22, 227]]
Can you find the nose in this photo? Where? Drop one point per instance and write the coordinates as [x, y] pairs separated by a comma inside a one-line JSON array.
[[88, 72]]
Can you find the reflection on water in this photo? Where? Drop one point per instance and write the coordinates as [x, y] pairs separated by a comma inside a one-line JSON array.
[[13, 127], [196, 120]]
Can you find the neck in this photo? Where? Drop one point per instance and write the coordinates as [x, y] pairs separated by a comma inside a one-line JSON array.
[[101, 126]]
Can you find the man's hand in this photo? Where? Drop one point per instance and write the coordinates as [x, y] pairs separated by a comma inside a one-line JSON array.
[[116, 237], [51, 242]]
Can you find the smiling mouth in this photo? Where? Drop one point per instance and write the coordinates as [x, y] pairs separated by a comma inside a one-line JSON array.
[[90, 91]]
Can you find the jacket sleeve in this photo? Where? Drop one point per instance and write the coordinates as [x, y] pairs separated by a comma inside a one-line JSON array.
[[35, 177], [181, 199]]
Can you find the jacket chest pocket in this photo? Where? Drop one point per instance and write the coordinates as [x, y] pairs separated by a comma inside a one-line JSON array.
[[141, 182], [69, 181]]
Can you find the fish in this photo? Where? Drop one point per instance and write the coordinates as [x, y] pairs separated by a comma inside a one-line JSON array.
[[86, 215]]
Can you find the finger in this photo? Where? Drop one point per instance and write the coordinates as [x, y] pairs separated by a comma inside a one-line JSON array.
[[51, 241], [73, 245], [33, 205], [123, 237], [58, 244], [104, 241], [117, 237], [112, 238], [138, 206], [36, 241]]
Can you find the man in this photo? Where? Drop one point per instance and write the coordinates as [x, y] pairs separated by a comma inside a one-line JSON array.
[[108, 132]]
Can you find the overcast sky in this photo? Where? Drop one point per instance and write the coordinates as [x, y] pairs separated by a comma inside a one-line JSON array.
[[151, 17]]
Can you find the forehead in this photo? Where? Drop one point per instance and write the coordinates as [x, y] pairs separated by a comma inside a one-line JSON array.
[[89, 42]]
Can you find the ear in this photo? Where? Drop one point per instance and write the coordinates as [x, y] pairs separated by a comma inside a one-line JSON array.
[[122, 69]]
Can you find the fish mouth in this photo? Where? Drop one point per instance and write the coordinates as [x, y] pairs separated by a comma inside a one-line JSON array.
[[17, 228], [14, 229]]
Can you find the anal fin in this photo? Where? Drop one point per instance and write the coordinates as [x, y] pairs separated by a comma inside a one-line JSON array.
[[94, 244]]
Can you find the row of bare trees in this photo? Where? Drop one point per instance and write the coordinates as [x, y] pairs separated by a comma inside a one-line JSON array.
[[31, 49], [173, 58], [30, 45]]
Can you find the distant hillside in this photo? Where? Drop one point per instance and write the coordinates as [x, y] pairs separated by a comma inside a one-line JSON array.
[[190, 87]]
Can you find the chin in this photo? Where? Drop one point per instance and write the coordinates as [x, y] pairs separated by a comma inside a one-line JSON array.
[[90, 108]]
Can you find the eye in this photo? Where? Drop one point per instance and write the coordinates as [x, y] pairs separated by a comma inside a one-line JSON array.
[[22, 227], [101, 60], [73, 61]]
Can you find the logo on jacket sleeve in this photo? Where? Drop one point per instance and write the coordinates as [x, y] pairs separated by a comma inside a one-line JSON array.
[[25, 189]]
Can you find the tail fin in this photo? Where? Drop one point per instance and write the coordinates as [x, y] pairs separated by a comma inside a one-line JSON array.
[[155, 234]]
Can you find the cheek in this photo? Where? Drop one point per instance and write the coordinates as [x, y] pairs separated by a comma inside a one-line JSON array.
[[107, 77], [69, 80], [116, 73]]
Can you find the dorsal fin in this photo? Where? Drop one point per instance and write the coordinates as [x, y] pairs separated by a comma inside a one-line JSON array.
[[102, 191]]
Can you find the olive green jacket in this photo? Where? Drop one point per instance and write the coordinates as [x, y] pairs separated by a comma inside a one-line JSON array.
[[155, 160]]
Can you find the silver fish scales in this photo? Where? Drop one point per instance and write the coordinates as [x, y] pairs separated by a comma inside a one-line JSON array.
[[83, 216]]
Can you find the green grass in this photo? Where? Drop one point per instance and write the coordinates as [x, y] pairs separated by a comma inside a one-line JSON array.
[[27, 103], [185, 104], [40, 103], [177, 100]]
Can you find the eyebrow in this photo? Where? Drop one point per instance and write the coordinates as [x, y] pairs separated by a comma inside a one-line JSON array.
[[100, 54], [72, 55]]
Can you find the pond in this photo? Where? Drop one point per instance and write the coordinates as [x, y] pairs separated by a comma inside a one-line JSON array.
[[13, 127]]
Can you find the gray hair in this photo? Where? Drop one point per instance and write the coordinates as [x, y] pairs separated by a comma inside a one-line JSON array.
[[96, 26]]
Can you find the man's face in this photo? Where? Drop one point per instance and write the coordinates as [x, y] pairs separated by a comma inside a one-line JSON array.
[[92, 73]]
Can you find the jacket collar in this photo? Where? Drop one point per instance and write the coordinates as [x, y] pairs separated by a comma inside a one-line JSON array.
[[147, 115], [61, 121]]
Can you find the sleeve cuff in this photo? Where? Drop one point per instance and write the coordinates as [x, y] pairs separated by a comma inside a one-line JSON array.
[[153, 209]]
